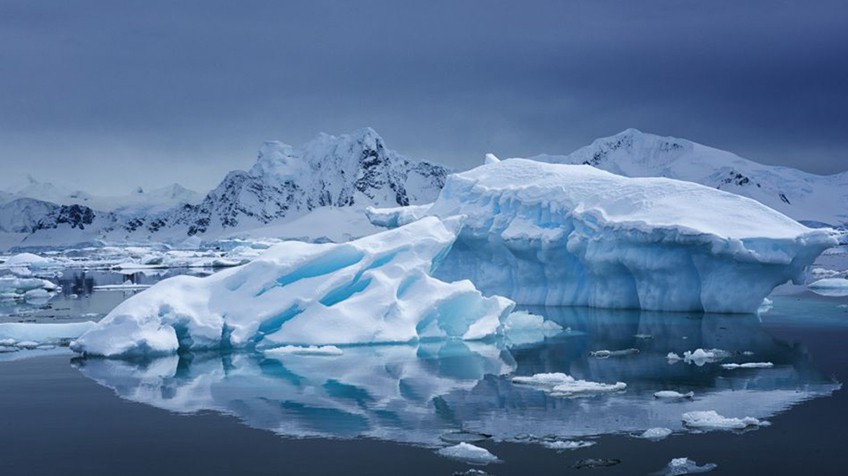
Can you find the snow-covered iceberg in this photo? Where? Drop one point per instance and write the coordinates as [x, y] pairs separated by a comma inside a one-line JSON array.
[[574, 235], [376, 289]]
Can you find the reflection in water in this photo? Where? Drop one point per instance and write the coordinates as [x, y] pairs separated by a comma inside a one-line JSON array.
[[415, 393]]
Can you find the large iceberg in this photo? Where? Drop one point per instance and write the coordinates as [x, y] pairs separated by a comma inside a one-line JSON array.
[[376, 289], [551, 234]]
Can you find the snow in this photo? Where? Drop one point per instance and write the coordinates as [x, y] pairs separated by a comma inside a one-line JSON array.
[[469, 453], [29, 335], [28, 260], [306, 350], [377, 289], [656, 434], [325, 224], [711, 420], [548, 234], [800, 195], [396, 216], [673, 395], [748, 365], [681, 466], [563, 385]]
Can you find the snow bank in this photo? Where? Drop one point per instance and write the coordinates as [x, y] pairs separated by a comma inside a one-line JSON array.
[[376, 289], [711, 420], [575, 235], [469, 453], [563, 385]]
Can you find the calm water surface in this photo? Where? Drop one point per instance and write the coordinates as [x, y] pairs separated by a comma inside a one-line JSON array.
[[385, 409]]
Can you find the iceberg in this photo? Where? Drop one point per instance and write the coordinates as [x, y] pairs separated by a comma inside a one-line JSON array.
[[30, 335], [711, 420], [573, 235], [377, 289], [469, 453]]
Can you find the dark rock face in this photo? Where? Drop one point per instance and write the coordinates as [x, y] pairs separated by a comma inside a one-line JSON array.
[[76, 216]]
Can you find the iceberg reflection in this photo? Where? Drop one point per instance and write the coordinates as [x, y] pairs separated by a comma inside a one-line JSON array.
[[418, 393]]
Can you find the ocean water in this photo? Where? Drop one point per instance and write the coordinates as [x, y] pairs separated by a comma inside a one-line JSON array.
[[388, 409]]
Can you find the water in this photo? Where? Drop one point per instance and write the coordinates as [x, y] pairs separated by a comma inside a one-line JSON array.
[[385, 409]]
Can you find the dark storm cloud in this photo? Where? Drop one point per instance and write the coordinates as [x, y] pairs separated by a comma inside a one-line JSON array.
[[104, 94]]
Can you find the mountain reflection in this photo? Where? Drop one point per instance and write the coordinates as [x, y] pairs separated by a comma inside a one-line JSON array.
[[416, 393]]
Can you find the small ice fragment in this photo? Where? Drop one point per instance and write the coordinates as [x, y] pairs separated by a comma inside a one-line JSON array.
[[471, 472], [464, 437], [672, 395], [766, 306], [27, 344], [591, 463], [603, 354], [306, 350], [673, 358], [700, 357], [655, 434], [563, 385], [748, 365], [561, 445], [643, 336], [468, 453], [681, 466], [747, 353], [711, 420]]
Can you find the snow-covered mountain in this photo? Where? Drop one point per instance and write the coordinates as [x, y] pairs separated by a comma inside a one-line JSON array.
[[286, 183], [812, 199], [138, 202]]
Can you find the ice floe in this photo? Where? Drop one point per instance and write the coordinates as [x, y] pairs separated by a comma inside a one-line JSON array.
[[748, 365], [563, 385], [681, 466], [656, 434], [306, 350], [711, 420], [469, 453], [834, 287], [672, 395], [25, 335]]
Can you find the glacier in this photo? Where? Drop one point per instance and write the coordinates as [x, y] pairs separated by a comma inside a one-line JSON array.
[[574, 235], [376, 289]]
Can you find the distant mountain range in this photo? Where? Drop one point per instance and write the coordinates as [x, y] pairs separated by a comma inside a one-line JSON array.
[[814, 200], [352, 170]]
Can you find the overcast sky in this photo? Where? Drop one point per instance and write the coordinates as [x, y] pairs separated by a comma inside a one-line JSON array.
[[107, 95]]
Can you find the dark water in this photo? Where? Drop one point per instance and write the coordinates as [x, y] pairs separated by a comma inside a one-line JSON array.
[[383, 409]]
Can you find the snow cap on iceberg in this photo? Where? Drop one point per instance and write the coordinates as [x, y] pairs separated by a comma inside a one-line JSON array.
[[553, 234], [376, 289]]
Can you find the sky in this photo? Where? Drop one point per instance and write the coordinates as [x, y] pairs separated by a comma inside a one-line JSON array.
[[105, 96]]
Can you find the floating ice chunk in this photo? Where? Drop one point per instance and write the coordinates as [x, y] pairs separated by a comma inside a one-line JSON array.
[[306, 350], [700, 357], [522, 327], [551, 234], [377, 289], [766, 306], [28, 260], [672, 395], [748, 365], [19, 333], [121, 287], [603, 354], [563, 385], [464, 437], [17, 288], [561, 445], [834, 287], [655, 434], [681, 466], [469, 453], [591, 463], [711, 420], [673, 357]]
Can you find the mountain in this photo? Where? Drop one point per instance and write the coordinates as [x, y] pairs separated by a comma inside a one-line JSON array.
[[286, 183], [355, 170], [812, 199], [139, 202]]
